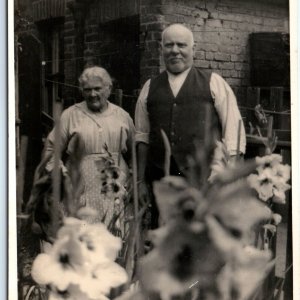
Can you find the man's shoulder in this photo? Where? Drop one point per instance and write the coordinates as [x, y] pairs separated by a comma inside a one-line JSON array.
[[158, 78]]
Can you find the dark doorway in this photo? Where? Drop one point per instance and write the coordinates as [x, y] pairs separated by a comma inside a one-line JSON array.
[[30, 105], [120, 46]]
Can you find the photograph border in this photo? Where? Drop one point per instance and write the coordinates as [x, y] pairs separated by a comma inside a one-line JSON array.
[[9, 223]]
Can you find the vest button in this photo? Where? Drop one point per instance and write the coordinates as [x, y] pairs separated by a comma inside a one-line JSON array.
[[172, 133], [175, 104]]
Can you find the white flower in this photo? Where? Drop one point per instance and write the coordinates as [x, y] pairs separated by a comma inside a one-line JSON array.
[[155, 277], [272, 159], [244, 273], [277, 218], [271, 180], [64, 264], [262, 184], [279, 192], [72, 293], [99, 245], [282, 172], [104, 277], [80, 263]]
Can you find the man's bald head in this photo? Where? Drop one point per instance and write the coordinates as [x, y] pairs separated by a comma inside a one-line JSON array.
[[180, 29]]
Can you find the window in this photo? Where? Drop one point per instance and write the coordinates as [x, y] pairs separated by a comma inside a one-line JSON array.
[[52, 65]]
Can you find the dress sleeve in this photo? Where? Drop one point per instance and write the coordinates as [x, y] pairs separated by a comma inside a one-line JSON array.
[[141, 116], [64, 133], [229, 114]]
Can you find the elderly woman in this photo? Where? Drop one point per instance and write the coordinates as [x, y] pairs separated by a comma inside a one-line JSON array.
[[106, 131]]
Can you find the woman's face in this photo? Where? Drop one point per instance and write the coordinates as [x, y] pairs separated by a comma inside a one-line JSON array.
[[95, 93]]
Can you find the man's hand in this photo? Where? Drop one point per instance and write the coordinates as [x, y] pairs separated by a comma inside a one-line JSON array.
[[143, 190], [234, 159], [143, 193]]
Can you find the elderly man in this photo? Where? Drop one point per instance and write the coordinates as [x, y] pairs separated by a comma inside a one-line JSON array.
[[175, 101]]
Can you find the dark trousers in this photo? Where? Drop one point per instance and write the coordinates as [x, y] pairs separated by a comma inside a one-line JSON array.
[[154, 173]]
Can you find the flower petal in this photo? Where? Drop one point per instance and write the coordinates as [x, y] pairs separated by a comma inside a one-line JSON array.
[[39, 267], [102, 279], [237, 209]]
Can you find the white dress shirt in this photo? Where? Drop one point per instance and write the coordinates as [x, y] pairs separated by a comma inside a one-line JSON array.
[[224, 102]]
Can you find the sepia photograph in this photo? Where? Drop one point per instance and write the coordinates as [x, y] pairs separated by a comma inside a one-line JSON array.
[[153, 150]]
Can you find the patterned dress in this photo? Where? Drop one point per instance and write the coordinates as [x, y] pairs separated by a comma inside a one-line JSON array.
[[113, 130]]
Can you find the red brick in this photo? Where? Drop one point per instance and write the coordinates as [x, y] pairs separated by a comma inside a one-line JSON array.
[[168, 9], [214, 23], [218, 72], [201, 63], [199, 22], [152, 45], [155, 26], [227, 48], [233, 81], [235, 74], [200, 55], [213, 65], [209, 55], [207, 47], [226, 73], [174, 19], [226, 65], [238, 66], [237, 58], [222, 57]]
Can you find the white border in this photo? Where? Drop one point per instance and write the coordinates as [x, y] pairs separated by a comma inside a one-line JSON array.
[[295, 111], [3, 150], [12, 226]]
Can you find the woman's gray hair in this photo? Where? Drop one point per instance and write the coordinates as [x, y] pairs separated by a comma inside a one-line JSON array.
[[95, 72]]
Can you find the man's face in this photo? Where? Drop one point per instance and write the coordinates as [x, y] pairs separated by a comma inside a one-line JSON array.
[[95, 93], [177, 49]]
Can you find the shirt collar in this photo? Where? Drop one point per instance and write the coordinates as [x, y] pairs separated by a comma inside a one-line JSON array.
[[177, 76]]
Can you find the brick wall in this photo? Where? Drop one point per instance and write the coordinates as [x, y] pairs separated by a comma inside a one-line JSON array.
[[45, 9], [69, 54], [221, 30], [97, 43]]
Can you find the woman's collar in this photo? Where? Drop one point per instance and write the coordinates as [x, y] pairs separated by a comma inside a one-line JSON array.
[[83, 106]]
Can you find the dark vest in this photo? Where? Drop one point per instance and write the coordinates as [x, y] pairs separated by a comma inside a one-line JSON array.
[[182, 117]]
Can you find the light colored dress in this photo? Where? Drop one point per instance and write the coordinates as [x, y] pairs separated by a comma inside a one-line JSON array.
[[112, 129]]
